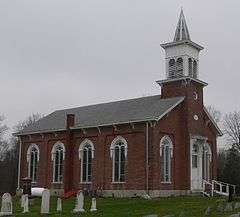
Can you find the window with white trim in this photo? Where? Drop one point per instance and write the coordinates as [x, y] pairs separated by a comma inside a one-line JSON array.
[[195, 151], [166, 154], [58, 155], [118, 155], [86, 154], [32, 158]]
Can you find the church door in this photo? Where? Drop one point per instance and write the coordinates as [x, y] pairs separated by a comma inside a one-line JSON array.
[[196, 166]]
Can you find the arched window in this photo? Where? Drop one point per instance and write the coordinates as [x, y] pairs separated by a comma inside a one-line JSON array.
[[118, 152], [179, 67], [166, 154], [207, 158], [58, 156], [195, 152], [86, 154], [190, 67], [32, 159], [195, 69], [171, 68]]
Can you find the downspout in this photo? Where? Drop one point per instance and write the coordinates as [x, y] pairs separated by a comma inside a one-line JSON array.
[[19, 162], [147, 161]]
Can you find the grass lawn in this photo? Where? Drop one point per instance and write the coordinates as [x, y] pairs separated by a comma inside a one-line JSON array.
[[109, 207]]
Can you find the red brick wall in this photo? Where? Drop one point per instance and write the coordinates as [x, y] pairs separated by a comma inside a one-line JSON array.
[[179, 124]]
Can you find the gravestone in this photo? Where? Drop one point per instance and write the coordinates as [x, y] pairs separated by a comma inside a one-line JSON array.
[[79, 203], [6, 208], [235, 215], [94, 205], [228, 208], [45, 202], [22, 200], [208, 211], [220, 208], [182, 214], [26, 204], [59, 204], [237, 205]]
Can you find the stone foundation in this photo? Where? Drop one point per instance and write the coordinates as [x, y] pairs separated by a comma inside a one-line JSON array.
[[141, 193]]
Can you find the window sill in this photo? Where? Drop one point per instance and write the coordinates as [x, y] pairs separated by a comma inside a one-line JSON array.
[[85, 183], [57, 182], [118, 182], [166, 183]]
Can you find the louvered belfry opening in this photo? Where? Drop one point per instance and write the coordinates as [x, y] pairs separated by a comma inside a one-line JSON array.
[[194, 69], [172, 68], [175, 68], [190, 67], [179, 67]]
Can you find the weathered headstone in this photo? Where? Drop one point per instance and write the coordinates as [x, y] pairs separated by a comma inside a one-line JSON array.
[[182, 214], [94, 205], [6, 208], [22, 200], [237, 205], [45, 202], [79, 203], [208, 211], [235, 215], [59, 204], [229, 207], [220, 208], [25, 204]]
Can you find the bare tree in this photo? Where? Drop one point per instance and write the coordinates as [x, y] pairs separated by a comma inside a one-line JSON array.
[[231, 124], [3, 142], [215, 114], [31, 119], [3, 127]]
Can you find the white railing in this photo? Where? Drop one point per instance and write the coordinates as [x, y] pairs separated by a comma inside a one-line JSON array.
[[221, 188]]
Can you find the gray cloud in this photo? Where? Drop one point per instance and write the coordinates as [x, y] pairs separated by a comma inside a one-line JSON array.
[[56, 54]]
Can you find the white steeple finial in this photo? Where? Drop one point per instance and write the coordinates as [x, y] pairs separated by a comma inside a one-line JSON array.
[[182, 29]]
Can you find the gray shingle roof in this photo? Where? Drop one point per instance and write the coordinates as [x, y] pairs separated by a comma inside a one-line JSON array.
[[119, 112]]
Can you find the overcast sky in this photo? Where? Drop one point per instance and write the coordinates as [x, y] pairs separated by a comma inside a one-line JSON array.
[[57, 54]]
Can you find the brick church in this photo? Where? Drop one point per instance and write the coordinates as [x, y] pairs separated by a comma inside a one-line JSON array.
[[158, 145]]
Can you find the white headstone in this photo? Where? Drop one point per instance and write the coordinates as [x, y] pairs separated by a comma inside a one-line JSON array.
[[6, 208], [59, 204], [94, 205], [22, 200], [45, 202], [79, 203], [25, 204]]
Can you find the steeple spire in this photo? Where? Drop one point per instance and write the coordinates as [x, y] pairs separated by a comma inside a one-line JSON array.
[[182, 29]]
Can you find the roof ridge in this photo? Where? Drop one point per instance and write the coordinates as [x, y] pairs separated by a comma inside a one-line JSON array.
[[105, 103]]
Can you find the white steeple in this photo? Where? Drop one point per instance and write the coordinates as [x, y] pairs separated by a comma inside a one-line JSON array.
[[182, 55], [181, 32]]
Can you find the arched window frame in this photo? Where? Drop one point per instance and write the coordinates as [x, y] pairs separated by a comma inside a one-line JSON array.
[[114, 144], [35, 162], [55, 148], [82, 146], [164, 155]]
